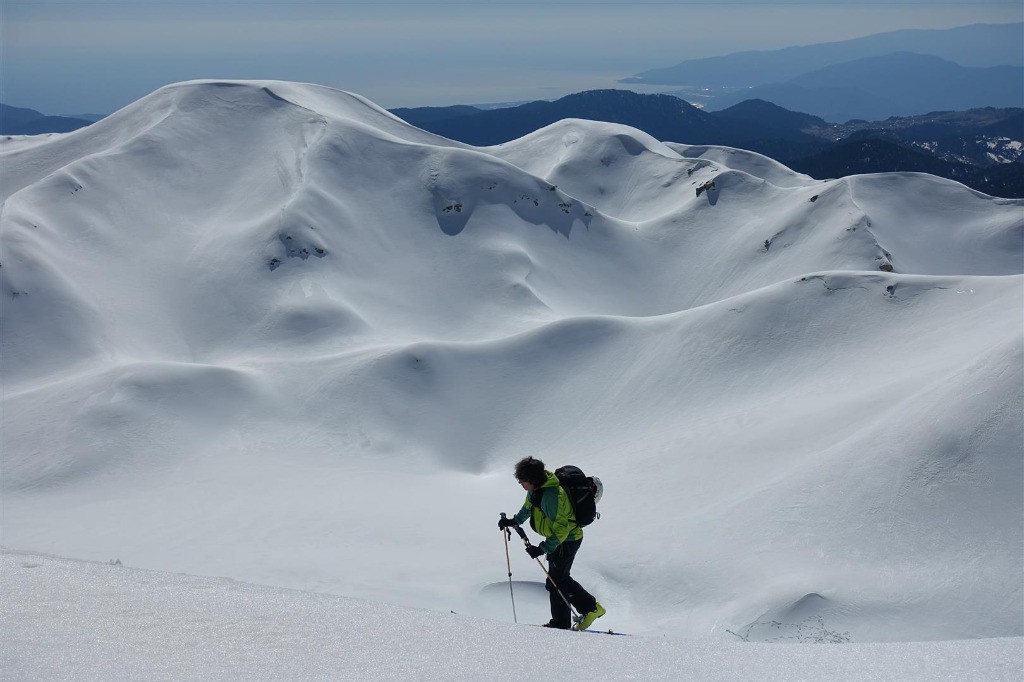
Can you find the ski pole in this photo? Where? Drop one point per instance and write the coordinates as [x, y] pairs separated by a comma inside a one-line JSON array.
[[508, 563], [577, 617]]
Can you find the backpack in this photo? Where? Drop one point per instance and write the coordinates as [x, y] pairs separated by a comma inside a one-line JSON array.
[[583, 492]]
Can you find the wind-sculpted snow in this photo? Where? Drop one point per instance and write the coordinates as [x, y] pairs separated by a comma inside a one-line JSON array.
[[625, 172], [102, 621], [950, 233], [753, 163], [269, 331]]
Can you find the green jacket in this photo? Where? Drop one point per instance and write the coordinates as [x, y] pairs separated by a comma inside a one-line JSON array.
[[554, 518]]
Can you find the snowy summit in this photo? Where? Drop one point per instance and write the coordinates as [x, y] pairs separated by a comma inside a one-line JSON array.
[[268, 331]]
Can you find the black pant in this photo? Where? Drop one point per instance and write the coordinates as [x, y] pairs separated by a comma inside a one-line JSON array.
[[559, 564]]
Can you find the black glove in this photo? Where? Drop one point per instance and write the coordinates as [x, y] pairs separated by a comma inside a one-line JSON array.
[[534, 550], [504, 523]]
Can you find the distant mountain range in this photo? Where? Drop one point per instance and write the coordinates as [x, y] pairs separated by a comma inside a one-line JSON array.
[[979, 137], [979, 45], [898, 84], [767, 129], [981, 148], [658, 115], [879, 156], [900, 73], [18, 121]]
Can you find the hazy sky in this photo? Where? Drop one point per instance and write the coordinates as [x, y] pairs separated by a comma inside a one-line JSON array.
[[70, 57]]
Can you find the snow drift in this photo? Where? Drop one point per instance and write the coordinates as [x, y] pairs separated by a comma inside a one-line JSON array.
[[269, 331]]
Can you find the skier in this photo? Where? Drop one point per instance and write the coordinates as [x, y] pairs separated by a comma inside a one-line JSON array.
[[550, 513]]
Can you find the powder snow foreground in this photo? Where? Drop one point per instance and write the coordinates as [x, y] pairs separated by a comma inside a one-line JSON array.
[[67, 619]]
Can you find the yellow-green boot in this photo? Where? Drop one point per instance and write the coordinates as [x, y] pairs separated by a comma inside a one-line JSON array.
[[589, 618]]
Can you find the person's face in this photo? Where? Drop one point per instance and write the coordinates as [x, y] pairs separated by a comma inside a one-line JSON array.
[[527, 486]]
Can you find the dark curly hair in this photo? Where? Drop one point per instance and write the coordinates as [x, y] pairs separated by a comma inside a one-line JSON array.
[[531, 470]]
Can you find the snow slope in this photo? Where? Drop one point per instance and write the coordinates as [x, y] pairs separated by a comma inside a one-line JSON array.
[[103, 621], [268, 331]]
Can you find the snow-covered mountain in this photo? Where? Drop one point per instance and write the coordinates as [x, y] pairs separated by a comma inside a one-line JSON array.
[[269, 331]]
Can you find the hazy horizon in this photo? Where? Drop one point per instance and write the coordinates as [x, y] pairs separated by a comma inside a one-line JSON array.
[[96, 57]]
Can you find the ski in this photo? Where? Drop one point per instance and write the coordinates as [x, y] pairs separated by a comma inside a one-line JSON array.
[[593, 632]]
